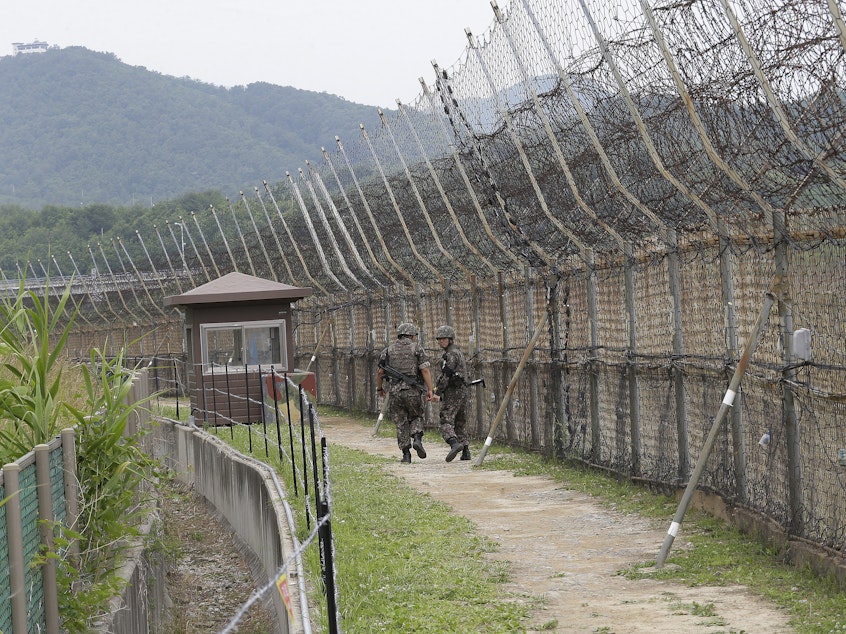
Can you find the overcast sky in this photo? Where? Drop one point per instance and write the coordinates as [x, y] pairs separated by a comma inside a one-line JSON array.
[[367, 51]]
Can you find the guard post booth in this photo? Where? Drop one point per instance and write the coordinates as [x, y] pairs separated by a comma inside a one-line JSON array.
[[239, 344]]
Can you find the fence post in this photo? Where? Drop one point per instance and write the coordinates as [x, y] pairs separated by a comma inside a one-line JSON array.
[[45, 529], [352, 378], [558, 366], [788, 406], [403, 316], [534, 414], [336, 383], [370, 358], [631, 355], [476, 303], [71, 489], [727, 282], [448, 317], [506, 344], [318, 336], [17, 579], [593, 365], [678, 352], [420, 317], [324, 522]]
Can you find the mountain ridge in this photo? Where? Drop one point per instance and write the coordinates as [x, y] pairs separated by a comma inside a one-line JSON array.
[[80, 127]]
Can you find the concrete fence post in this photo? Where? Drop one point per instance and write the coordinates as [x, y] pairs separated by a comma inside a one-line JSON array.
[[71, 489], [17, 580], [185, 454]]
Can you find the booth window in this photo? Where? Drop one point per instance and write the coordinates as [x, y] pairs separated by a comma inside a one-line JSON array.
[[244, 345]]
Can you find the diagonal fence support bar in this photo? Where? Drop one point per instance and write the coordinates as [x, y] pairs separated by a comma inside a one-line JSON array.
[[728, 400], [503, 406]]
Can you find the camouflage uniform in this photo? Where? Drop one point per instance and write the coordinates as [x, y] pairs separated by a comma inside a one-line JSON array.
[[454, 393], [408, 404]]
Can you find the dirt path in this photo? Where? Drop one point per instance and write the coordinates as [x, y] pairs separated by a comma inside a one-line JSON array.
[[566, 549]]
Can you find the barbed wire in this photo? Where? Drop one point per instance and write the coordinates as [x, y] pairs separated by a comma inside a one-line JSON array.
[[635, 171]]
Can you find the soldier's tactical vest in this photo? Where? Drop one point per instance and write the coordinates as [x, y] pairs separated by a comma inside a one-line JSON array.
[[401, 357]]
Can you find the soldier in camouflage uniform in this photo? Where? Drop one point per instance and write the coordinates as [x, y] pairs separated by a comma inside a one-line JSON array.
[[454, 394], [406, 406]]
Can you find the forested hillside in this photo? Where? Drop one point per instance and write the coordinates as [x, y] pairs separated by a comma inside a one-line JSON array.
[[79, 127], [30, 239]]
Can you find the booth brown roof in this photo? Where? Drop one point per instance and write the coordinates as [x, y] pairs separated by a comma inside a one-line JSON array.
[[238, 287]]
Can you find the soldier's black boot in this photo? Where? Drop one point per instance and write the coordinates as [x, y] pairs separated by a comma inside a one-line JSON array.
[[406, 455], [418, 445], [465, 453], [455, 448]]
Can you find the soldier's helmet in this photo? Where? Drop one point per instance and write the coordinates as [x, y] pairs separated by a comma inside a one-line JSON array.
[[445, 332], [406, 328]]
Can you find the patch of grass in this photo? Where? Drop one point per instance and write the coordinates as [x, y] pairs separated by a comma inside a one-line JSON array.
[[707, 611], [721, 555], [716, 554], [404, 561], [411, 564], [695, 608], [166, 407]]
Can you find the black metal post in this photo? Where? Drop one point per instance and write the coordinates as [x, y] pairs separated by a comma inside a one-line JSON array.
[[229, 402], [155, 361], [276, 412], [263, 413], [214, 398], [291, 434], [305, 462], [249, 422], [327, 544], [176, 388]]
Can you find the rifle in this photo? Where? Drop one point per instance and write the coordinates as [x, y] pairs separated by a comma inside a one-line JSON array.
[[399, 376], [382, 411], [474, 382]]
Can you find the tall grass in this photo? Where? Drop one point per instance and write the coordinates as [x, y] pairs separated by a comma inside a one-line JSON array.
[[40, 394], [31, 344]]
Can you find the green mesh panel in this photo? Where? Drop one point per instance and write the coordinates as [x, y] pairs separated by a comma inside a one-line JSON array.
[[57, 484], [31, 542]]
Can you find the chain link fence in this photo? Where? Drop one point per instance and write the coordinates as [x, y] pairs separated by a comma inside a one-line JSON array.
[[637, 174]]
